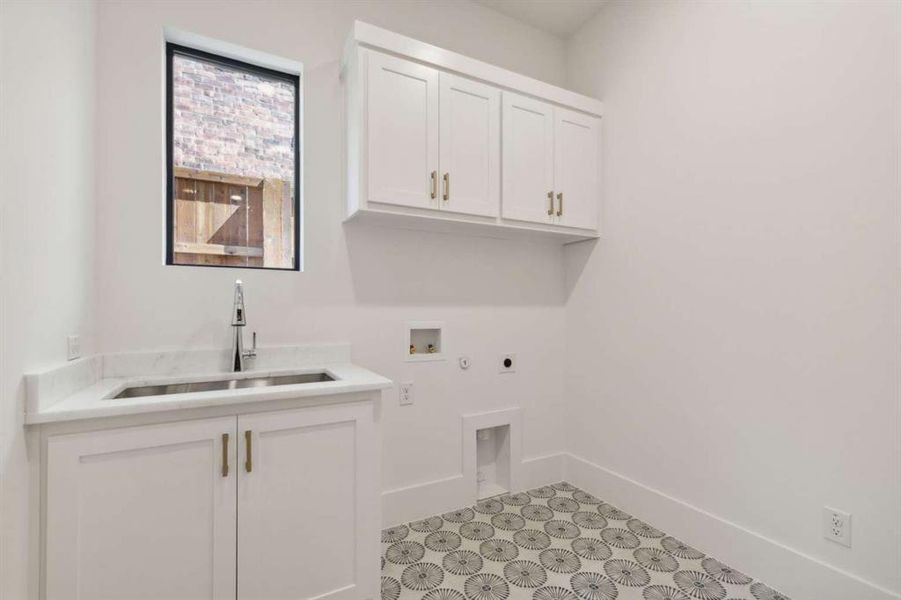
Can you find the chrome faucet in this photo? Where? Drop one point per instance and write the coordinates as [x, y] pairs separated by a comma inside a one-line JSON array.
[[239, 321]]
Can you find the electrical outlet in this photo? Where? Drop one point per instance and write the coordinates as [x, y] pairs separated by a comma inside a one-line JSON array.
[[73, 347], [405, 393], [837, 526], [507, 363]]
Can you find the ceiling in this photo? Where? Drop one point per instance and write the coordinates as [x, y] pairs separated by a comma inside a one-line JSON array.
[[559, 17]]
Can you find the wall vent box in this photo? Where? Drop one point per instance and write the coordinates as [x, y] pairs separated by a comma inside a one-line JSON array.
[[492, 453], [425, 341], [493, 461]]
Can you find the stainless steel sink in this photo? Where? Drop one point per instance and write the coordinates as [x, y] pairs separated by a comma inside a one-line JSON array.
[[221, 384]]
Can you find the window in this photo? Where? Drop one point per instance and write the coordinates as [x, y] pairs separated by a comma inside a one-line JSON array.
[[233, 163]]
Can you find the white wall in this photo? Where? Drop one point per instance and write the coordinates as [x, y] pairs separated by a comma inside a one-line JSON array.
[[733, 341], [46, 231], [361, 284]]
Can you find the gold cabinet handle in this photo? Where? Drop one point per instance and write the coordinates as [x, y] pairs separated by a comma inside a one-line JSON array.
[[434, 184], [248, 441], [560, 204], [225, 455], [446, 187], [550, 199]]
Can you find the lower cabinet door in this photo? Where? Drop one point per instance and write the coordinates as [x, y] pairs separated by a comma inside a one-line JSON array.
[[142, 512], [308, 505]]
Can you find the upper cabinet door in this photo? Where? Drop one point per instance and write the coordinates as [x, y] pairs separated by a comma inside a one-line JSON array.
[[402, 118], [142, 512], [576, 158], [309, 504], [528, 159], [470, 146]]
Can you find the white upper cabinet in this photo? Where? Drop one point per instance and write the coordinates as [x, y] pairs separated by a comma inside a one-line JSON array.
[[528, 160], [576, 154], [470, 114], [550, 164], [402, 117], [440, 141]]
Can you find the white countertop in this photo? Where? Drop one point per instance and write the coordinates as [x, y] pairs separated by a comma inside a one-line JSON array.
[[95, 399]]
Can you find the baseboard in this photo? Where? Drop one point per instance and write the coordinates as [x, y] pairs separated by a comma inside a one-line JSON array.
[[401, 505], [800, 576], [542, 470]]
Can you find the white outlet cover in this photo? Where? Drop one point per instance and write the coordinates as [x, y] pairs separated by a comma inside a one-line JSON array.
[[405, 393], [502, 366], [73, 347], [837, 526]]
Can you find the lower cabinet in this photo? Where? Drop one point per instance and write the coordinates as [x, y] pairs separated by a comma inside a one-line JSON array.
[[308, 524], [253, 506]]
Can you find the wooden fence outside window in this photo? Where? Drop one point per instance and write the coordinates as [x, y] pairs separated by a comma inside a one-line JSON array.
[[230, 220]]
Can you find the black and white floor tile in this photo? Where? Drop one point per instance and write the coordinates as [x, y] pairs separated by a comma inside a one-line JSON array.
[[551, 543]]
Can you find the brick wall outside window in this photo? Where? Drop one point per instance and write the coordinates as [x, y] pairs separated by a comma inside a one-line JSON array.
[[230, 121]]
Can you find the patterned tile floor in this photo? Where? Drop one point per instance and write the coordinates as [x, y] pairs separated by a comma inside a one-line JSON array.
[[551, 543]]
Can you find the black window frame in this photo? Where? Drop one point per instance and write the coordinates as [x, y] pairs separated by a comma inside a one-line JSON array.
[[171, 50]]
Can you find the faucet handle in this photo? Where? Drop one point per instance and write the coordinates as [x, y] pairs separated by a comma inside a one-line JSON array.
[[252, 353]]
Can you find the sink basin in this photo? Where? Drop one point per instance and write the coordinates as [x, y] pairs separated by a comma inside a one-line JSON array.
[[221, 384]]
